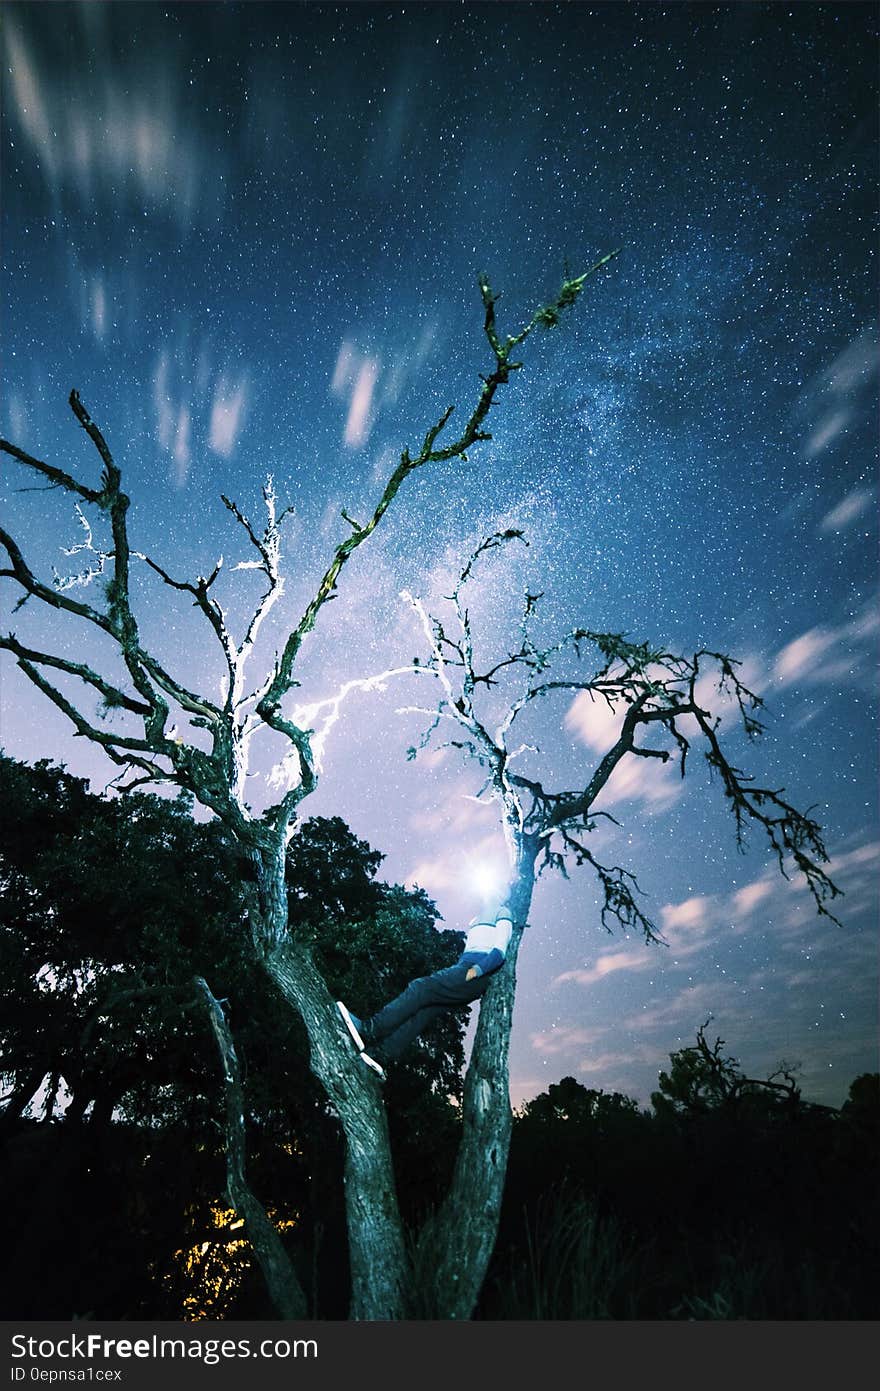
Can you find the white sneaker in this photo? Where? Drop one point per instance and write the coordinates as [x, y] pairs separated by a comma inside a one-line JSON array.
[[371, 1062], [350, 1025]]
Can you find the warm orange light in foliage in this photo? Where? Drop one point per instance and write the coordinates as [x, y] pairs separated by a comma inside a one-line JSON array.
[[212, 1271]]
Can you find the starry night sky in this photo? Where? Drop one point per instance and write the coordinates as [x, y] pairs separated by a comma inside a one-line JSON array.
[[250, 236]]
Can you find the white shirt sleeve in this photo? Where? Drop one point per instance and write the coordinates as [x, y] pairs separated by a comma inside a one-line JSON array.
[[503, 930]]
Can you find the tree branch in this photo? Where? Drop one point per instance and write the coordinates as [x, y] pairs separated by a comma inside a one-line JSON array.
[[282, 1283], [546, 317], [113, 697]]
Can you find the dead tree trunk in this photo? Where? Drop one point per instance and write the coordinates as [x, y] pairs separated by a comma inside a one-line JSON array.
[[457, 1244]]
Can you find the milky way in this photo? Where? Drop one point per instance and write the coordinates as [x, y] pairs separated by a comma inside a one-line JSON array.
[[250, 236]]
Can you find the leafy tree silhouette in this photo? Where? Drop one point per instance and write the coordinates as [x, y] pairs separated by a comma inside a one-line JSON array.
[[109, 908]]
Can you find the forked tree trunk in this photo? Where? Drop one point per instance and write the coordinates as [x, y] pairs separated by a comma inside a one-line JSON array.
[[454, 1250]]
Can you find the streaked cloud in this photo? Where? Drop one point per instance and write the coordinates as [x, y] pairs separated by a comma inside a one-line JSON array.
[[227, 415], [689, 914], [771, 898], [360, 419], [165, 413], [195, 405], [838, 396], [135, 136], [594, 722], [747, 899], [634, 959], [827, 654], [355, 376], [720, 699], [406, 362], [180, 450], [346, 367], [827, 430], [608, 1064], [27, 99], [173, 419], [99, 308], [562, 1039], [16, 414], [848, 510], [856, 365], [686, 1009], [456, 813], [655, 784], [802, 657], [688, 926]]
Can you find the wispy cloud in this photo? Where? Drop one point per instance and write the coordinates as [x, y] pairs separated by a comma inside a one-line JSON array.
[[822, 655], [98, 304], [848, 510], [819, 974], [406, 362], [196, 406], [749, 898], [227, 415], [565, 1038], [16, 415], [180, 450], [838, 396], [173, 419], [134, 136], [609, 1065], [344, 372], [772, 899], [27, 99], [355, 376], [686, 1008], [720, 699], [827, 431], [803, 657], [655, 784], [456, 813], [165, 412], [360, 417], [633, 959]]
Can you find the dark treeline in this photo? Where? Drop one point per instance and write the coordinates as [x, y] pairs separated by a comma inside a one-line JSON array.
[[731, 1198]]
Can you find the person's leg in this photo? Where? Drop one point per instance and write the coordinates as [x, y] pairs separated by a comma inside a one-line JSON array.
[[393, 1044], [444, 989]]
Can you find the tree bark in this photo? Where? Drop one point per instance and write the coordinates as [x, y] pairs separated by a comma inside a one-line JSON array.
[[377, 1252], [456, 1245]]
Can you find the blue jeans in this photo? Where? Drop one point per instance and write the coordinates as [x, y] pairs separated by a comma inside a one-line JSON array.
[[401, 1021]]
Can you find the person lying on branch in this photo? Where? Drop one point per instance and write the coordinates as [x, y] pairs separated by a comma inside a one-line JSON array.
[[384, 1036]]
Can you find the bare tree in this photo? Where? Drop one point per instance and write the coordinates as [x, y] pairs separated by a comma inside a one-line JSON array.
[[652, 693], [702, 1078], [154, 705]]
